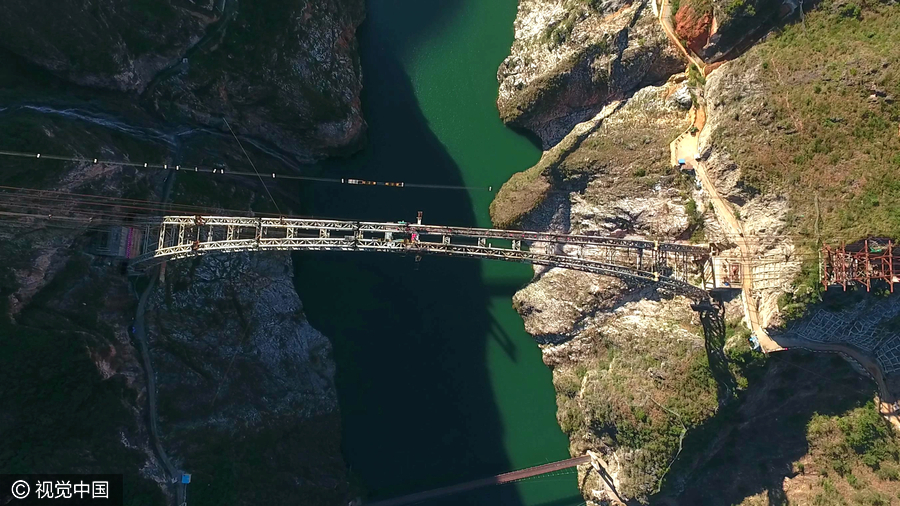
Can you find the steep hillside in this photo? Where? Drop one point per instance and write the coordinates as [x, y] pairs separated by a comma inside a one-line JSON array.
[[241, 373], [799, 136], [247, 341], [572, 56], [105, 43], [623, 149], [813, 111], [74, 384], [631, 374], [285, 73], [802, 434]]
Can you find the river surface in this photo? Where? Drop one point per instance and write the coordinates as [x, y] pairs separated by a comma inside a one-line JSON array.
[[438, 381]]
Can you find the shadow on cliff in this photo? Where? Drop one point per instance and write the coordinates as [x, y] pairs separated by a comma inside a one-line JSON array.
[[750, 445], [713, 321], [409, 337]]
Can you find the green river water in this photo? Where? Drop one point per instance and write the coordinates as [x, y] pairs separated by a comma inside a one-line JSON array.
[[438, 381]]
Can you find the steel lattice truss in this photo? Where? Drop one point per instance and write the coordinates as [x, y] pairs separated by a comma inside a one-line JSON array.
[[685, 268], [862, 263]]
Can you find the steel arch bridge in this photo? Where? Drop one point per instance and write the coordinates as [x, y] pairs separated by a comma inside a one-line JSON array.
[[684, 268]]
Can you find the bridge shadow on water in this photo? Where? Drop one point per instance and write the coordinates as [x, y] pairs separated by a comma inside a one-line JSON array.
[[409, 337]]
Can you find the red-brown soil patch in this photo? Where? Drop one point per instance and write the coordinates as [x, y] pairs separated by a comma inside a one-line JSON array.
[[693, 26]]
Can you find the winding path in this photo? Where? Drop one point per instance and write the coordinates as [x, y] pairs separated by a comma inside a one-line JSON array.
[[665, 20], [140, 334], [685, 146]]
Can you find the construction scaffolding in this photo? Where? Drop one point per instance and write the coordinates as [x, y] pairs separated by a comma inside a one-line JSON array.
[[873, 259]]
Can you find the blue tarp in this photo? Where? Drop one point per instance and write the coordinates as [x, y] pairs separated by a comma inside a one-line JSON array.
[[681, 161]]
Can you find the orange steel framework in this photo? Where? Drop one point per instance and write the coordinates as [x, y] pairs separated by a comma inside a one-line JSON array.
[[862, 262]]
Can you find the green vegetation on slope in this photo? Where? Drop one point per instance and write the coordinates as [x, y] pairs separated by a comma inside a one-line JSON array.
[[624, 397], [853, 459], [558, 32], [775, 445], [632, 142], [859, 436], [829, 121]]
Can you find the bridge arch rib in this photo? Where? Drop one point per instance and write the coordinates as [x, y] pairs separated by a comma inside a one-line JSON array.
[[684, 268]]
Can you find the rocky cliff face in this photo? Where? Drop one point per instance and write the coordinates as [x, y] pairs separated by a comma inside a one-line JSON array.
[[74, 380], [244, 388], [739, 23], [734, 94], [242, 374], [693, 25], [105, 43], [239, 371], [629, 363], [286, 73], [619, 156], [571, 57], [633, 368]]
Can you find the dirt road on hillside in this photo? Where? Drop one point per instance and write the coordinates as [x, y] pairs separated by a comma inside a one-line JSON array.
[[665, 19], [686, 146]]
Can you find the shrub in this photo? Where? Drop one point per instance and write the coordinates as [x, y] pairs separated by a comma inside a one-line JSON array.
[[738, 7], [888, 472], [557, 33], [840, 465], [695, 77], [569, 415], [851, 11], [568, 382], [581, 371], [871, 498]]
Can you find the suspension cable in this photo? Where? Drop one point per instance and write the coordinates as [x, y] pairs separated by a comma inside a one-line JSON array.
[[252, 165], [220, 170]]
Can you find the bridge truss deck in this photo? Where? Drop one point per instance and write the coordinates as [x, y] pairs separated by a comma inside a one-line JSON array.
[[684, 268]]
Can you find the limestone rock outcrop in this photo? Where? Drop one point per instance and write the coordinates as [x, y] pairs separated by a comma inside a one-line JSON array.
[[570, 58], [105, 43], [239, 368], [285, 73]]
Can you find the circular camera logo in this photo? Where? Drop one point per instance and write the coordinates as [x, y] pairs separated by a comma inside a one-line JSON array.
[[20, 489]]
